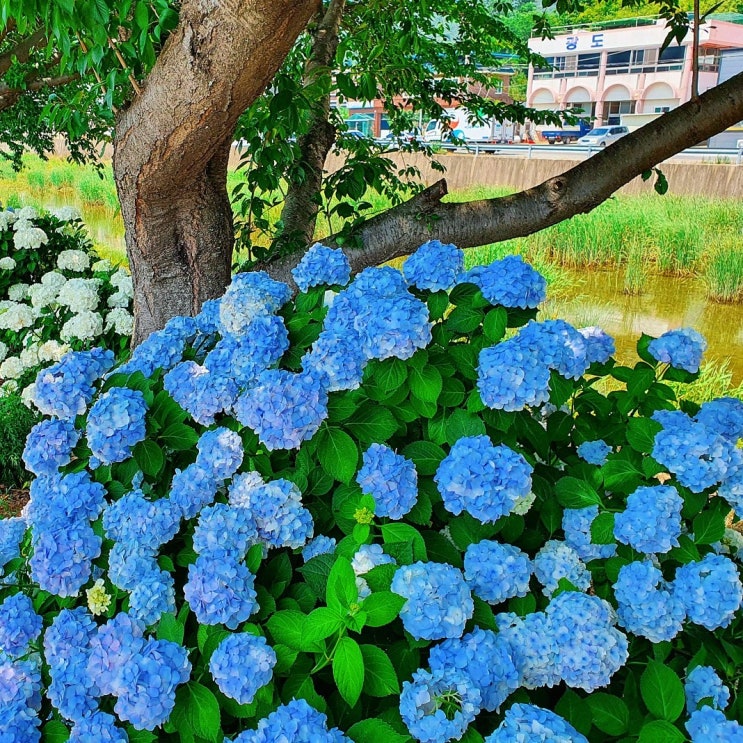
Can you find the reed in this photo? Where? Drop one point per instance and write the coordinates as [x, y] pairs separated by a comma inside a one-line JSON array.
[[723, 274]]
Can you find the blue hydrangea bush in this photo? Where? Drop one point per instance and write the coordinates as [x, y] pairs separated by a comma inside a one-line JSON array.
[[386, 509]]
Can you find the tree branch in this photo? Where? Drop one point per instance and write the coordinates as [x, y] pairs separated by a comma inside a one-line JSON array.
[[8, 96], [22, 50], [400, 230]]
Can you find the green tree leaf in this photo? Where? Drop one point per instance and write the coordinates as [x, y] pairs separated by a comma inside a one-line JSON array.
[[641, 434], [461, 423], [574, 493], [321, 623], [709, 526], [425, 455], [179, 437], [660, 731], [341, 590], [287, 627], [376, 731], [425, 383], [662, 691], [197, 711], [610, 713], [149, 456], [338, 454], [371, 424], [380, 679], [55, 731], [382, 607], [602, 529], [348, 670], [399, 532]]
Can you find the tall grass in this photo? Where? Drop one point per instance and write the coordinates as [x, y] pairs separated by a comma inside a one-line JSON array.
[[723, 274]]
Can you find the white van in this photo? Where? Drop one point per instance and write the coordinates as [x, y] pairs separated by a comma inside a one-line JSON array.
[[459, 127]]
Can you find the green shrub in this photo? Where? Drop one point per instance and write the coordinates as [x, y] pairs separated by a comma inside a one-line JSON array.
[[16, 420]]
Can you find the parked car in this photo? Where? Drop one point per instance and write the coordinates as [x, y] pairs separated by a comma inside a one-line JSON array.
[[603, 135]]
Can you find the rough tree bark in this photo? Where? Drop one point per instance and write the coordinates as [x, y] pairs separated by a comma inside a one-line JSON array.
[[400, 230], [171, 147], [301, 206]]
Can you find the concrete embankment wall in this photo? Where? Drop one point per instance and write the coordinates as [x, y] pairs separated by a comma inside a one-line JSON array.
[[464, 171]]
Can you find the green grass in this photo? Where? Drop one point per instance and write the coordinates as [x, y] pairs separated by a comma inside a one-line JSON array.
[[723, 274]]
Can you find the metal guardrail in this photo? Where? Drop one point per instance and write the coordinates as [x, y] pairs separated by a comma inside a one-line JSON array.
[[733, 155]]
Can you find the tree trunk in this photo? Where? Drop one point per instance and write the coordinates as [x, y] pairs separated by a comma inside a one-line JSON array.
[[172, 143], [302, 203]]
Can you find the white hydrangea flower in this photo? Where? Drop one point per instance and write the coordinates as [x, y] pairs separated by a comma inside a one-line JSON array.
[[7, 218], [523, 504], [28, 213], [52, 351], [123, 282], [17, 292], [54, 278], [80, 295], [9, 388], [102, 265], [67, 213], [30, 356], [31, 238], [73, 260], [16, 316], [119, 299], [120, 320], [3, 351], [42, 295], [84, 326], [7, 263], [27, 395], [12, 368]]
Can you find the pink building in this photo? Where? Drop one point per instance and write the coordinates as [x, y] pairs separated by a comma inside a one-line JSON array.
[[616, 68]]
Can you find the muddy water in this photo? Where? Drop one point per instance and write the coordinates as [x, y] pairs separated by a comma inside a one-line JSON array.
[[665, 304]]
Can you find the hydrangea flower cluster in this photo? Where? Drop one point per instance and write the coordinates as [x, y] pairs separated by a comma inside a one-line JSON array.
[[594, 452], [527, 722], [368, 557], [20, 698], [509, 282], [600, 346], [558, 561], [435, 266], [709, 725], [482, 479], [322, 265], [496, 572], [438, 601], [49, 446], [20, 625], [703, 683], [682, 349], [651, 522], [390, 479], [241, 665], [116, 423], [576, 524]]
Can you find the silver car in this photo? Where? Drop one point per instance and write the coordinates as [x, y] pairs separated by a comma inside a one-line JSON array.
[[603, 135]]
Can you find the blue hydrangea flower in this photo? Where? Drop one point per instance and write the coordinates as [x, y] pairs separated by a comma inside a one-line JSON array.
[[49, 446], [576, 523], [695, 454], [682, 349], [135, 520], [732, 487], [116, 423], [224, 530], [434, 266], [20, 625], [724, 416], [482, 479], [439, 706], [701, 683], [390, 479], [65, 388], [296, 722], [321, 265], [590, 649], [558, 345], [207, 321], [710, 590], [150, 679], [276, 510], [12, 531], [72, 497], [339, 357], [509, 282], [651, 522], [221, 452], [528, 723], [129, 563], [250, 295], [200, 392], [112, 648], [438, 601], [483, 656], [20, 700], [532, 647], [647, 605], [152, 596], [193, 488], [67, 647], [284, 408], [594, 452], [320, 545], [557, 560], [511, 376], [162, 349], [99, 727], [496, 572], [383, 317], [220, 591], [708, 725], [599, 345], [241, 665], [368, 557]]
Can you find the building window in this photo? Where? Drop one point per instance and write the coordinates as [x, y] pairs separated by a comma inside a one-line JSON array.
[[672, 58], [661, 109], [617, 63], [709, 60], [588, 65], [613, 110]]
